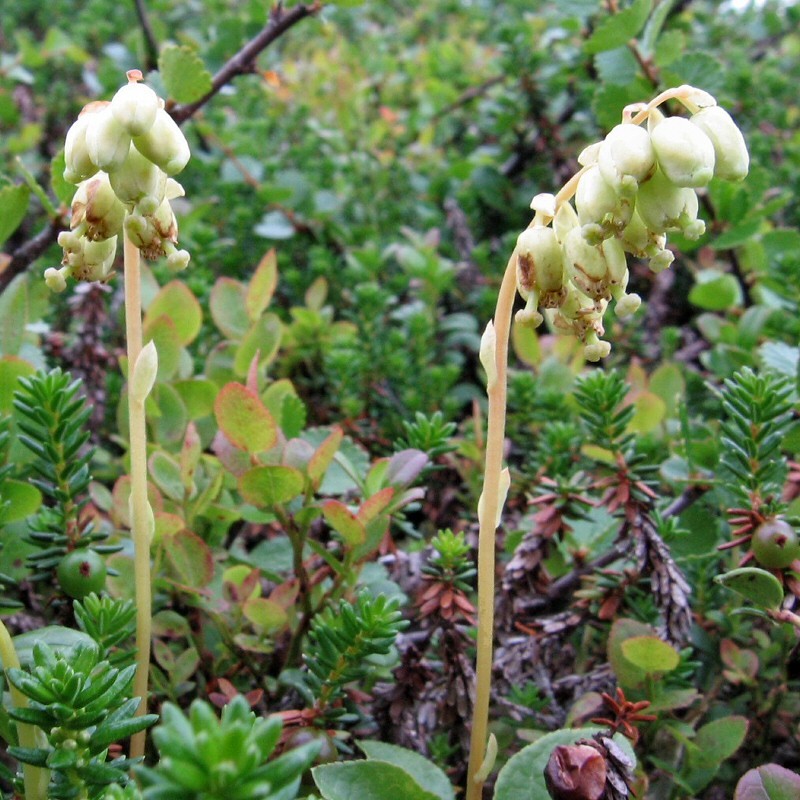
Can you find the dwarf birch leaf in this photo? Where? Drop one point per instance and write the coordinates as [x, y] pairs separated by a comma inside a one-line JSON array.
[[244, 419], [183, 73], [616, 30]]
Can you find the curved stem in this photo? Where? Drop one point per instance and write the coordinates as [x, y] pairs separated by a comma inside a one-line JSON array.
[[35, 779], [486, 542], [140, 511]]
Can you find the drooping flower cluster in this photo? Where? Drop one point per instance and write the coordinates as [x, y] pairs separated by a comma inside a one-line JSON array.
[[122, 155], [634, 187]]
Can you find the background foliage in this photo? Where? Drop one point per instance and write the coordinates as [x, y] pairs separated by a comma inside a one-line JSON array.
[[387, 152]]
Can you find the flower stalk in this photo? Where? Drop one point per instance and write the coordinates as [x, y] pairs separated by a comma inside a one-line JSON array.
[[35, 779]]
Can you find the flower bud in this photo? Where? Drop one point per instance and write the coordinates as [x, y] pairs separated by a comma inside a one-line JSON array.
[[54, 279], [565, 220], [683, 151], [641, 242], [594, 268], [626, 158], [92, 261], [601, 211], [107, 141], [134, 107], [139, 178], [96, 209], [663, 206], [540, 266], [164, 144], [78, 164], [730, 150]]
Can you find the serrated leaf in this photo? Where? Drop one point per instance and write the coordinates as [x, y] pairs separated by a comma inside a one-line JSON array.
[[696, 69], [616, 66], [610, 99], [616, 30], [368, 780], [244, 419], [13, 207], [183, 73], [268, 485], [757, 585]]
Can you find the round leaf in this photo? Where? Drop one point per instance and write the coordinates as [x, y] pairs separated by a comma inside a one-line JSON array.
[[177, 302], [757, 585], [266, 486], [183, 73], [228, 310], [650, 654], [768, 782]]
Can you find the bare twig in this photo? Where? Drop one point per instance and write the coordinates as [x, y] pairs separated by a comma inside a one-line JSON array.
[[280, 22], [150, 43], [242, 63]]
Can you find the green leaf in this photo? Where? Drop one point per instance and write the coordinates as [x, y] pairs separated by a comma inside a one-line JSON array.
[[228, 310], [262, 286], [715, 291], [198, 396], [425, 772], [244, 419], [757, 585], [717, 741], [628, 674], [610, 99], [13, 207], [11, 370], [323, 456], [368, 780], [768, 782], [62, 640], [177, 302], [266, 486], [616, 30], [344, 522], [737, 235], [161, 331], [523, 774], [696, 69], [264, 338], [61, 189], [266, 614], [617, 66], [650, 654], [13, 315], [24, 499], [183, 73], [190, 558], [166, 474]]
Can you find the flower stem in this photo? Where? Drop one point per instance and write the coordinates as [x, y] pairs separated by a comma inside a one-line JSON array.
[[486, 538], [140, 511], [36, 779]]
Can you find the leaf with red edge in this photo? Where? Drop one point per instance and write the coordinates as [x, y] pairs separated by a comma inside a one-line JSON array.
[[344, 522], [190, 559], [262, 285], [405, 466], [374, 505], [323, 456], [244, 419], [266, 486], [768, 782]]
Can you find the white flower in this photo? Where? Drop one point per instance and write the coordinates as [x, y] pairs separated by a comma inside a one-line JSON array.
[[732, 158], [684, 153], [164, 144], [134, 107]]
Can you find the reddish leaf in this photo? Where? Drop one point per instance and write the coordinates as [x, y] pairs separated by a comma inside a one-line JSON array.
[[244, 419], [373, 506], [348, 526], [323, 456]]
